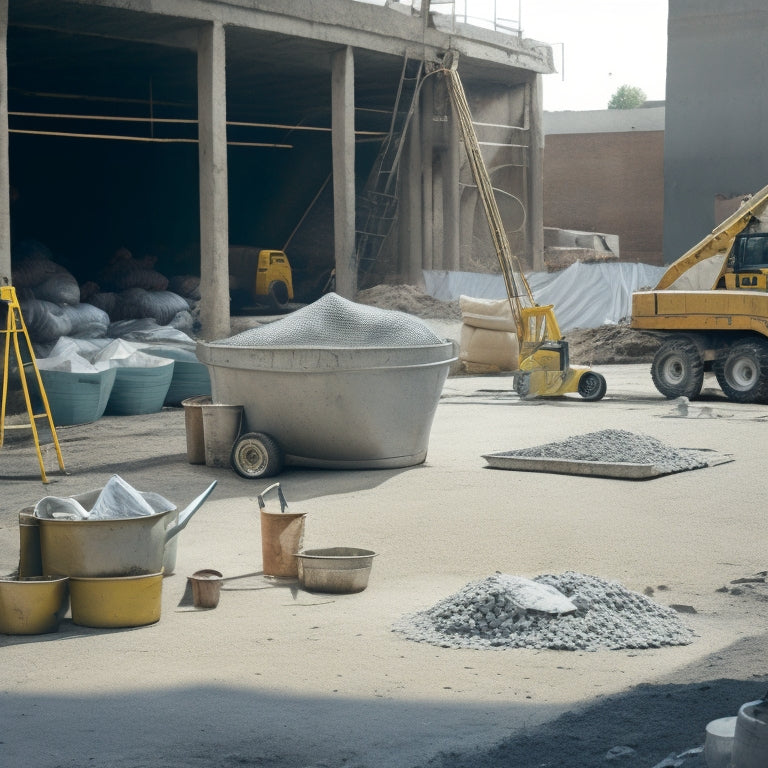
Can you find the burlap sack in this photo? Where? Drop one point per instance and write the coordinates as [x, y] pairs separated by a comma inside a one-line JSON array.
[[491, 314]]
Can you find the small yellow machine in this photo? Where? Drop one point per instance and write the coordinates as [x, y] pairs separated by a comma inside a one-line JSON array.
[[544, 364], [259, 277], [710, 310]]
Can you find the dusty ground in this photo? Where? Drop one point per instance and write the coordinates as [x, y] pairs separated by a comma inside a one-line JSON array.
[[282, 678]]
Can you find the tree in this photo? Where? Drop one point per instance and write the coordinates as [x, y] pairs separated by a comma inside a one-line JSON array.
[[627, 97]]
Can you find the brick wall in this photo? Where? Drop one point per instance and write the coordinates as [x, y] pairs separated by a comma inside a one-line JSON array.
[[608, 182]]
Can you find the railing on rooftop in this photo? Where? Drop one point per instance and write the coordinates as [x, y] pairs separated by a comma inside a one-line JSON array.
[[486, 14]]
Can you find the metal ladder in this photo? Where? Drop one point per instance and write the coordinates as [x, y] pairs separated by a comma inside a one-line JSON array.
[[16, 337], [378, 203]]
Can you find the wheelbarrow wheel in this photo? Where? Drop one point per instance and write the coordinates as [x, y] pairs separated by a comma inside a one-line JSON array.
[[256, 454]]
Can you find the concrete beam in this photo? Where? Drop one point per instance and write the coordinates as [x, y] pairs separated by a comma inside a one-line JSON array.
[[212, 153], [343, 150], [345, 22], [5, 210]]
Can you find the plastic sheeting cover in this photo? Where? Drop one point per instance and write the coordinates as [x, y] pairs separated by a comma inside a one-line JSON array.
[[118, 500], [584, 295]]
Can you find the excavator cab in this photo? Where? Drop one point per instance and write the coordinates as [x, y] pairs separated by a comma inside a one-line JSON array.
[[747, 266]]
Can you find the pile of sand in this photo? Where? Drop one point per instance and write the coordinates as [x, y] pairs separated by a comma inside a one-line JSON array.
[[410, 299]]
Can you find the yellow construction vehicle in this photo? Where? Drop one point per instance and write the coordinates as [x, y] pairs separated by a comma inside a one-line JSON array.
[[259, 277], [710, 309], [544, 365]]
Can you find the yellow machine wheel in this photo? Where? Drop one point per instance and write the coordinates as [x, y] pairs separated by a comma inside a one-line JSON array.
[[742, 372], [677, 369], [592, 386]]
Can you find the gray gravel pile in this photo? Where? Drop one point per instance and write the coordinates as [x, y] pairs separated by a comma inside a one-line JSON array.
[[484, 614], [616, 446], [333, 321]]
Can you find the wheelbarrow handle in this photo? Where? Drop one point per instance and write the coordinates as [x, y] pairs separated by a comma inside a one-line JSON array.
[[283, 502]]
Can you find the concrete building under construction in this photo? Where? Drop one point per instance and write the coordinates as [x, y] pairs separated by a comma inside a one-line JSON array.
[[178, 128]]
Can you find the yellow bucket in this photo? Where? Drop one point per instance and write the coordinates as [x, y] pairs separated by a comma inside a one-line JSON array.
[[32, 606], [116, 601]]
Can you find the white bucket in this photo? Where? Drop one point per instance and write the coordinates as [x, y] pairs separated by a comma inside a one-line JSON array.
[[221, 427], [750, 740], [718, 744]]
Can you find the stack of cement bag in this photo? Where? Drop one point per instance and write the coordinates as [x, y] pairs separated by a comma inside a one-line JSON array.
[[488, 342], [132, 289], [49, 296], [55, 305]]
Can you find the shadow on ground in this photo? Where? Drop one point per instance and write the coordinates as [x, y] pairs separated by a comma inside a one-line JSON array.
[[642, 727]]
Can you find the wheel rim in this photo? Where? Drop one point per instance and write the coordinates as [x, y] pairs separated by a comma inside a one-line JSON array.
[[589, 385], [742, 374], [673, 370], [252, 457]]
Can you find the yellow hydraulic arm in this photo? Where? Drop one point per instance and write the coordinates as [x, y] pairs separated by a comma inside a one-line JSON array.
[[719, 241], [544, 364]]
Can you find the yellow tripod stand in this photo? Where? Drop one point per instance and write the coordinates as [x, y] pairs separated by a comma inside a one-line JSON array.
[[13, 330]]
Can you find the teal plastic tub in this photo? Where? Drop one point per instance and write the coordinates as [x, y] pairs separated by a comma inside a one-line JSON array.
[[190, 376], [77, 398], [140, 390]]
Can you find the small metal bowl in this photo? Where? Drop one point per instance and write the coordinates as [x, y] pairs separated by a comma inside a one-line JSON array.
[[341, 570]]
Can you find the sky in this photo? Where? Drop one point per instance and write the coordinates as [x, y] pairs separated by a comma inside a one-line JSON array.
[[597, 45]]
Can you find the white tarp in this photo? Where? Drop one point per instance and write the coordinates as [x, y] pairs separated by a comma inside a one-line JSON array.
[[584, 295]]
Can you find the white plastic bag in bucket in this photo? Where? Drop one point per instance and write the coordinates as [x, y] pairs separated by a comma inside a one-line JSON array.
[[221, 427]]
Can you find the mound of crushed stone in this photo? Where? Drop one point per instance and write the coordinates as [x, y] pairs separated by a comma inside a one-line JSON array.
[[333, 321], [487, 614], [615, 446]]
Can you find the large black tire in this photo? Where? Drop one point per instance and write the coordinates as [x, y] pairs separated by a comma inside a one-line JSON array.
[[742, 371], [677, 369], [278, 294], [592, 386], [256, 454]]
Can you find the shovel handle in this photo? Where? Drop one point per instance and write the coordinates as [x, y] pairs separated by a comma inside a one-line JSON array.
[[283, 502]]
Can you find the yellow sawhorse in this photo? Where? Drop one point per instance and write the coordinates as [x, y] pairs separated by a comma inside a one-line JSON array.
[[16, 337]]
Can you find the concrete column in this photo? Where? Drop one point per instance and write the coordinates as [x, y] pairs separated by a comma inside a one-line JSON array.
[[414, 201], [212, 153], [438, 223], [452, 197], [427, 156], [536, 176], [5, 204], [343, 149]]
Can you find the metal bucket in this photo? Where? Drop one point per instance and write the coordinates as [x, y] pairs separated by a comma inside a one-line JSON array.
[[750, 739], [221, 427], [341, 570], [32, 606], [120, 601], [131, 546], [282, 535], [193, 425]]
